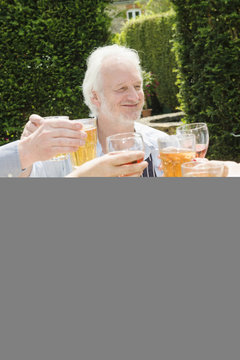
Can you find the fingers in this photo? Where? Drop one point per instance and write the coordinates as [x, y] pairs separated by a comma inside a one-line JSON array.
[[66, 133], [66, 142], [132, 169], [31, 127], [66, 124], [121, 158], [55, 123], [36, 119], [60, 128], [28, 129], [63, 149]]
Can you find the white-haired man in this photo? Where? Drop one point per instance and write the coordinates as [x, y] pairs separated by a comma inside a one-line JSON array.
[[113, 91]]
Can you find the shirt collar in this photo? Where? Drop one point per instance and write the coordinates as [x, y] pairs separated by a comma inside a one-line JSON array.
[[147, 144]]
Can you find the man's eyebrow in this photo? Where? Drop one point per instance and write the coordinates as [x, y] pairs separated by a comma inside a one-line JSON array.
[[124, 83], [120, 84]]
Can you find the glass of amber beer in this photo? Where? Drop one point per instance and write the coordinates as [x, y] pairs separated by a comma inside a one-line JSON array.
[[175, 150], [89, 150], [125, 142]]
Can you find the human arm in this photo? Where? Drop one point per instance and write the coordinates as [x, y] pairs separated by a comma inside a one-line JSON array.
[[43, 139], [10, 164], [113, 165]]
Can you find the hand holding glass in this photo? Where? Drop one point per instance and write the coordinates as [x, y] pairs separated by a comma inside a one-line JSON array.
[[58, 157], [130, 141]]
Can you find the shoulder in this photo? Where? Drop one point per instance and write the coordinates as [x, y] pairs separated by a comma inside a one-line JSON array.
[[9, 148], [9, 159], [148, 130]]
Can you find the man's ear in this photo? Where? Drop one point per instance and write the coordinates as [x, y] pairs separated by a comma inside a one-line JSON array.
[[95, 99]]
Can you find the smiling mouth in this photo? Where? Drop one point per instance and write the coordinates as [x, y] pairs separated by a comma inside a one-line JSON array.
[[131, 105]]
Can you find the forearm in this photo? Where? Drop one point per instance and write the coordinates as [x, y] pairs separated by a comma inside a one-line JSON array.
[[25, 156]]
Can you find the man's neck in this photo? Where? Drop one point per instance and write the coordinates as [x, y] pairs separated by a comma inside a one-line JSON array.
[[110, 129]]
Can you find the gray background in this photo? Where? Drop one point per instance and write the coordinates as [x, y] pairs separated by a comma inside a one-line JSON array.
[[119, 269]]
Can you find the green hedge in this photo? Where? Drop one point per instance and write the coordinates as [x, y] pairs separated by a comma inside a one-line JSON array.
[[43, 50], [208, 56], [152, 37]]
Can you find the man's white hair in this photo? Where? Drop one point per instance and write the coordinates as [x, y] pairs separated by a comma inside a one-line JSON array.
[[92, 79]]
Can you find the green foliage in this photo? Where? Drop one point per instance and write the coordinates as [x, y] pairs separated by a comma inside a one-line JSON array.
[[148, 87], [152, 37], [43, 50], [154, 6], [208, 54]]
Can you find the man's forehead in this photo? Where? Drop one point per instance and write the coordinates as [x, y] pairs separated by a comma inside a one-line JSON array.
[[118, 64]]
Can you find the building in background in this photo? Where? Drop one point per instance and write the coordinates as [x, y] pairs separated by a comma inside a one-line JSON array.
[[122, 11]]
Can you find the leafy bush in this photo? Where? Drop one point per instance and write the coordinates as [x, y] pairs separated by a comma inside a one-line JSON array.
[[43, 50], [148, 87], [208, 54], [152, 37]]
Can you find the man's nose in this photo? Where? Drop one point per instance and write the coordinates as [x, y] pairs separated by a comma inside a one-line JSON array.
[[133, 94]]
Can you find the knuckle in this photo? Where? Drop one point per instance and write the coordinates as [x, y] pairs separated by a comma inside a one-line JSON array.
[[63, 142], [45, 134]]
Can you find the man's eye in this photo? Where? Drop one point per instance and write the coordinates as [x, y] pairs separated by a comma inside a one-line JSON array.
[[138, 87], [122, 89]]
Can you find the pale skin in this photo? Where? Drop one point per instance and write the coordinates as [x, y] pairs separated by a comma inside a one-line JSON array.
[[120, 100], [113, 165], [43, 139]]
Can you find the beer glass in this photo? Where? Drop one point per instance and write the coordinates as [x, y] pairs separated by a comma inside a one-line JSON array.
[[202, 169], [130, 141], [125, 142], [58, 157], [89, 150], [200, 130], [175, 150]]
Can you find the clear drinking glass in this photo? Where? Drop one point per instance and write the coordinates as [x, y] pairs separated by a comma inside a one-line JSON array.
[[175, 150], [200, 130], [58, 157], [89, 150], [202, 169], [125, 142]]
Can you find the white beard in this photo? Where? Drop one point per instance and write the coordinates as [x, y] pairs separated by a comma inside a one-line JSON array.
[[121, 118]]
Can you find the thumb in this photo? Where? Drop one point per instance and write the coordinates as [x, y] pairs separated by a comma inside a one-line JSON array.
[[36, 119]]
